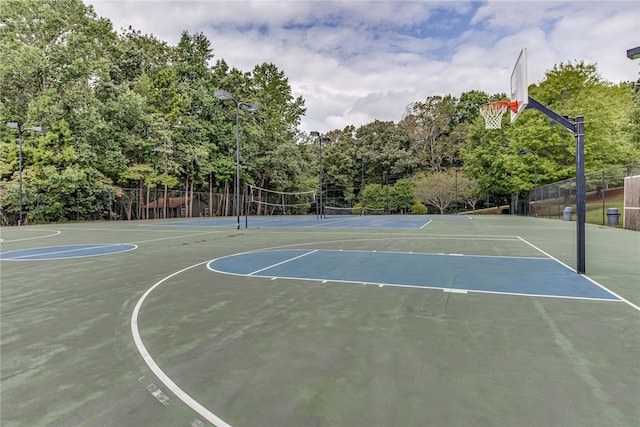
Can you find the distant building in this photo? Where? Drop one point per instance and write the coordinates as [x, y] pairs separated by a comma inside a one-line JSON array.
[[176, 208]]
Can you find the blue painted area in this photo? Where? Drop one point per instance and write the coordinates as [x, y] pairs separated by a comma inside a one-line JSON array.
[[245, 264], [527, 276], [311, 221], [66, 251]]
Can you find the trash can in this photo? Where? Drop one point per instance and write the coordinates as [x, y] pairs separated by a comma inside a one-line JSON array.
[[613, 216], [566, 213]]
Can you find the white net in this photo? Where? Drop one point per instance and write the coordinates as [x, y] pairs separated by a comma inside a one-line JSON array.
[[334, 211], [373, 211], [492, 114], [262, 201]]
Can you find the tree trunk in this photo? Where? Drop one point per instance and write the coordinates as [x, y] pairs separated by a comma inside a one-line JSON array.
[[146, 214], [140, 200], [210, 193], [191, 200], [164, 202], [226, 199], [186, 198]]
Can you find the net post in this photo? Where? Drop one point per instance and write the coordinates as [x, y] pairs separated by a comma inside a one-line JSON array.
[[246, 205], [581, 195]]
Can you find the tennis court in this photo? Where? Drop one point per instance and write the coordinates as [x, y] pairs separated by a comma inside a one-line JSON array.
[[343, 321], [305, 221]]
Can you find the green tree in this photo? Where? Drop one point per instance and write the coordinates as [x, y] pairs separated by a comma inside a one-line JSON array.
[[401, 196], [276, 160], [387, 147], [634, 116], [374, 196], [467, 107], [572, 89], [576, 89], [339, 165]]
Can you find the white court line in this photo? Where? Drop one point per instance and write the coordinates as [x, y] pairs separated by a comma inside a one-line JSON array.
[[583, 275], [179, 237], [283, 262], [397, 252], [430, 287], [455, 291], [425, 224], [55, 233], [177, 391], [327, 221], [88, 247]]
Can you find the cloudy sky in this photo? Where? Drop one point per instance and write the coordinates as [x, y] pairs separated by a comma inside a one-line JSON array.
[[355, 61]]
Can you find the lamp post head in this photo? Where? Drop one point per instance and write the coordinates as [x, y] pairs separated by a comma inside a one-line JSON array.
[[249, 106], [325, 139], [16, 125], [315, 133], [524, 151], [634, 53], [222, 94]]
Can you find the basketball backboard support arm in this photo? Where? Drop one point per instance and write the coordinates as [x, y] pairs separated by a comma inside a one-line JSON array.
[[575, 125]]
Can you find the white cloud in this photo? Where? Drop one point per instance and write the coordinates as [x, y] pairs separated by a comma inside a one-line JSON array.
[[357, 61]]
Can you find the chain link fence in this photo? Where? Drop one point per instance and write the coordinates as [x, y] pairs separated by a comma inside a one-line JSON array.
[[605, 193], [109, 203]]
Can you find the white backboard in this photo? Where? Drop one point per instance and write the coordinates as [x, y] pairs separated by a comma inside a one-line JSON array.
[[520, 84]]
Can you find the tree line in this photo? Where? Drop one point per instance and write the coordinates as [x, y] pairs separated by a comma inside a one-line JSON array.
[[126, 110]]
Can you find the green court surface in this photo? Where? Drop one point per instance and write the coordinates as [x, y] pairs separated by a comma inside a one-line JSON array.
[[150, 336]]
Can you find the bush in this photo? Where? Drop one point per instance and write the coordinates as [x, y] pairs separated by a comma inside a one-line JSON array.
[[418, 208]]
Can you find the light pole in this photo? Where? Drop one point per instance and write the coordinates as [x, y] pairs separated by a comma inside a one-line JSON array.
[[321, 139], [16, 125], [535, 177], [456, 199], [364, 159], [223, 94], [386, 192]]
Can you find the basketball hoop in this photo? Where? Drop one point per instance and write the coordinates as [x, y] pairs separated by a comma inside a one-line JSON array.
[[493, 112]]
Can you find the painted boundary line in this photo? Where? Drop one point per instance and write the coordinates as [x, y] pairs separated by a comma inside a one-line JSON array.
[[629, 303], [375, 251], [396, 285], [282, 262], [55, 233], [332, 219], [87, 247], [183, 236], [164, 378]]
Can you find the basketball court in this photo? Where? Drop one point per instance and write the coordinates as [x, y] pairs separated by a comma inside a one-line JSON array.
[[452, 323], [302, 320]]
